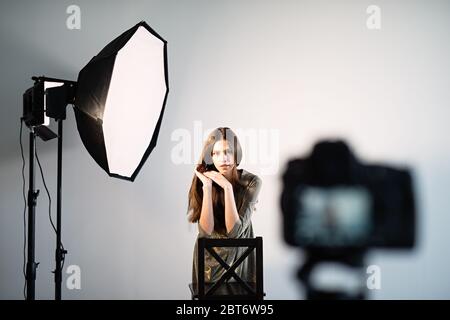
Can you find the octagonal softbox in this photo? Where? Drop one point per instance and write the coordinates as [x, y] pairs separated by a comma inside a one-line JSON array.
[[120, 100]]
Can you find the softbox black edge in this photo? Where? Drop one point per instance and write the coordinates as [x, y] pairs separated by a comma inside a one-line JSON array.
[[153, 142], [166, 69], [117, 44], [115, 175], [153, 32]]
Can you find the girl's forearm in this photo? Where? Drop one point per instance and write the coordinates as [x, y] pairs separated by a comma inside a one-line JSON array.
[[207, 215], [231, 213]]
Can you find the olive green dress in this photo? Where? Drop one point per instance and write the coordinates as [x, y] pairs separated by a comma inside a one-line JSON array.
[[245, 204]]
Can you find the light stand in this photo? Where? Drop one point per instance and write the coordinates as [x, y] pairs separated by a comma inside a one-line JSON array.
[[60, 251], [32, 199], [57, 98], [45, 134]]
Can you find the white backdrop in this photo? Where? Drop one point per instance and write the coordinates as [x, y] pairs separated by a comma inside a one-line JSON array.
[[290, 72]]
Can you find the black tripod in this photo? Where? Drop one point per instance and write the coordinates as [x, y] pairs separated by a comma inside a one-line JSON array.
[[45, 134], [32, 199], [351, 258], [56, 109]]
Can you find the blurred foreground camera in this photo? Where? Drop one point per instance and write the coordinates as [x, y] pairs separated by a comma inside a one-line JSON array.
[[335, 207]]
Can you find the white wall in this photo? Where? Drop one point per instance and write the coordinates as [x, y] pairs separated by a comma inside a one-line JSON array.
[[303, 69]]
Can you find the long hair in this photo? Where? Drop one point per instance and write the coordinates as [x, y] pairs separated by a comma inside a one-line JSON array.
[[196, 191]]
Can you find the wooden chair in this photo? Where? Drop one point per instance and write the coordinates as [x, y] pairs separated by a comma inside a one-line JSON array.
[[222, 289]]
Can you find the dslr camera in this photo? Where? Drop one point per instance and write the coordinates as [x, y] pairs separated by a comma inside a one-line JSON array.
[[332, 201]]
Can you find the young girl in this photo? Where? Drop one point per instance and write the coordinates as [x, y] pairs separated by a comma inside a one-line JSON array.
[[222, 199]]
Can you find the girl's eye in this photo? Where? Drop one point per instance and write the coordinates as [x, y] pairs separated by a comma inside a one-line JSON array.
[[216, 153]]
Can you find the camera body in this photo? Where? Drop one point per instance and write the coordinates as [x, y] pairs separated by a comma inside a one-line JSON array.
[[330, 200]]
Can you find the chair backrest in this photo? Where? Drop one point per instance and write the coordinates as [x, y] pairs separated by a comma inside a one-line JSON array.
[[235, 290]]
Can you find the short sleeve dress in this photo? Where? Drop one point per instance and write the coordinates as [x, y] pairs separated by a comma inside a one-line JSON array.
[[245, 204]]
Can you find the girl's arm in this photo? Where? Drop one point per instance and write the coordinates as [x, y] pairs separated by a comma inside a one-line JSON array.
[[231, 213], [246, 210], [206, 220]]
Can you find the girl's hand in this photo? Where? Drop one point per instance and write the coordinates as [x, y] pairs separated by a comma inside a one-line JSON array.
[[207, 182], [218, 178]]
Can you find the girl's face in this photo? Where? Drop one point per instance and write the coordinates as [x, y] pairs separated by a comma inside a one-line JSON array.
[[222, 156]]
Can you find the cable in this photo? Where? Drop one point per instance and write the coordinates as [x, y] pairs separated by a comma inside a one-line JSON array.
[[46, 189], [49, 204], [24, 212]]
